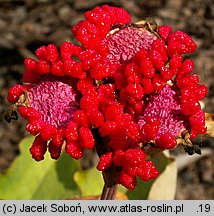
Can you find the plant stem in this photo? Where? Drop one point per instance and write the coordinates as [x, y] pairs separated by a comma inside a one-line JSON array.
[[110, 175], [109, 193]]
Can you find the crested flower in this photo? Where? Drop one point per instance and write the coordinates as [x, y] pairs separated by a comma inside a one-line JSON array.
[[128, 90]]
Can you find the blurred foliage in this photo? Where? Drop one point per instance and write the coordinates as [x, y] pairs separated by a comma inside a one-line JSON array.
[[64, 179], [90, 182], [47, 179]]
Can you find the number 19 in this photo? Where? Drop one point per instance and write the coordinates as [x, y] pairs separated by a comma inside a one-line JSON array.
[[204, 208]]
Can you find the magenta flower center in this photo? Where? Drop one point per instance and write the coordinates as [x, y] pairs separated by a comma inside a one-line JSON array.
[[55, 100], [125, 42], [165, 106]]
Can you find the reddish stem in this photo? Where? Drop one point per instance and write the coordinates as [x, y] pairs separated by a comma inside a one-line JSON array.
[[109, 175], [109, 193]]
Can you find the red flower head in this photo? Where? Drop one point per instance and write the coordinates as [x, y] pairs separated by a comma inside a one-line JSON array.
[[130, 91]]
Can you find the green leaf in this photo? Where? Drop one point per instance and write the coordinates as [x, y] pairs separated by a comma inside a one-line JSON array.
[[47, 179], [161, 188], [90, 182]]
